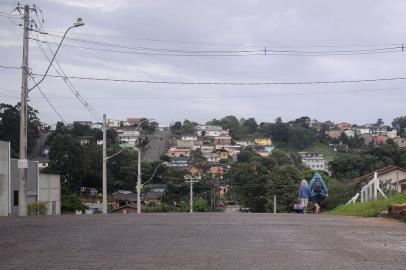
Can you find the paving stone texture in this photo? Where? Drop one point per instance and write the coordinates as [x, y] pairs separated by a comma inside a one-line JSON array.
[[201, 241]]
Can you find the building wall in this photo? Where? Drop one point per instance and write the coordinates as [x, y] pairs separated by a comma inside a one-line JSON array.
[[32, 183], [50, 193], [263, 141], [49, 187], [4, 178]]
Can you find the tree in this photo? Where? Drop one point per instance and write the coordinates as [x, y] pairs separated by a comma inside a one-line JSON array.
[[189, 126], [303, 122], [399, 124], [283, 183], [250, 125], [10, 126]]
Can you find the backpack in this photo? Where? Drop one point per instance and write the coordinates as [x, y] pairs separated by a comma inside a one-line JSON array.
[[317, 187]]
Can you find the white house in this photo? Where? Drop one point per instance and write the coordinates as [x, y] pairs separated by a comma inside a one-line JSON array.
[[206, 149], [189, 137], [313, 160], [112, 123], [392, 134], [97, 125], [129, 136], [362, 130], [244, 143], [349, 132], [208, 130]]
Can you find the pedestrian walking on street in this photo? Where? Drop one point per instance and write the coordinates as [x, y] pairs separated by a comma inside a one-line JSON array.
[[304, 194], [318, 191]]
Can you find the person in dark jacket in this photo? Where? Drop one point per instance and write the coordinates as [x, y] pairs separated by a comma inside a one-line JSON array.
[[304, 194], [318, 190]]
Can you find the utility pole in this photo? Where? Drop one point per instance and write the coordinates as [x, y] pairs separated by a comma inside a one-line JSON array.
[[138, 180], [274, 204], [22, 162], [104, 167], [191, 179]]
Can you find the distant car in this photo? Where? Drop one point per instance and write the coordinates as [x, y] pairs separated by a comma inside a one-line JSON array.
[[244, 210]]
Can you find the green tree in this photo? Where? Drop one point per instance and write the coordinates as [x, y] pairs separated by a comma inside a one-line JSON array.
[[10, 126], [250, 125], [282, 182], [399, 124]]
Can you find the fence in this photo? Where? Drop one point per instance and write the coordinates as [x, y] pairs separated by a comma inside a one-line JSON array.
[[369, 191]]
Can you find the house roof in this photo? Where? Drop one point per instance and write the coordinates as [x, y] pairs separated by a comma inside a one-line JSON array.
[[384, 170], [189, 135], [179, 159], [151, 195], [122, 207], [157, 185], [132, 197]]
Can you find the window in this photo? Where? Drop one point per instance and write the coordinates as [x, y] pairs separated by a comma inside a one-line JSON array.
[[15, 197]]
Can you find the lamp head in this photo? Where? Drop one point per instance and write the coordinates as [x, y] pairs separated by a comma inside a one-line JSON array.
[[78, 23]]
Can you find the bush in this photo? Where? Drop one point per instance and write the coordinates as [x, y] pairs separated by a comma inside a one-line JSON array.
[[199, 205], [160, 207], [70, 203], [36, 208]]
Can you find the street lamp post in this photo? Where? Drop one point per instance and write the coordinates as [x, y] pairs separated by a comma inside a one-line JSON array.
[[23, 162], [105, 158]]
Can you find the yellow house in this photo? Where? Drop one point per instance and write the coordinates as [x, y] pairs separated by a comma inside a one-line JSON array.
[[263, 141]]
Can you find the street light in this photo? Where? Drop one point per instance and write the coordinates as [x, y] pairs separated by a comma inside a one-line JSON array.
[[23, 162], [105, 158]]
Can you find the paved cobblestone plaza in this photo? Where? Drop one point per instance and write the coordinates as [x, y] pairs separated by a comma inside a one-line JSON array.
[[201, 241]]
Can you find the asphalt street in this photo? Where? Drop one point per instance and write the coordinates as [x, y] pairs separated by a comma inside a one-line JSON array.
[[201, 241], [157, 145]]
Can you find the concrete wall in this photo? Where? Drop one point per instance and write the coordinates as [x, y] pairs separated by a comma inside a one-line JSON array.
[[32, 183], [4, 178], [50, 192]]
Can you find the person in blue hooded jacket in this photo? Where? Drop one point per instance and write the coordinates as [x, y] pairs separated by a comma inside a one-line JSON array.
[[318, 190], [304, 194]]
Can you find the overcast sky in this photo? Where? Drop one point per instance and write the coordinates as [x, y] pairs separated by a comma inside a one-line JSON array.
[[215, 26]]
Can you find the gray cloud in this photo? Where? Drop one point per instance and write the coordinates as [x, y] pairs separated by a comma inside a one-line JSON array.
[[275, 24]]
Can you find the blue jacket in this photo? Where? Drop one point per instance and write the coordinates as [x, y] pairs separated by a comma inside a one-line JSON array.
[[317, 177], [304, 192]]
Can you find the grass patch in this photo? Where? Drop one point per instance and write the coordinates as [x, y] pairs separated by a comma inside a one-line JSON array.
[[368, 209], [324, 149]]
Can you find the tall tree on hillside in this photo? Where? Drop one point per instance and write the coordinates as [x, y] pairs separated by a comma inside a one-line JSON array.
[[250, 125], [399, 124]]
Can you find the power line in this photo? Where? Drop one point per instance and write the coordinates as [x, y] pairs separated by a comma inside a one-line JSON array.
[[230, 44], [48, 101], [264, 52], [235, 96], [69, 83], [226, 83], [261, 51], [9, 67]]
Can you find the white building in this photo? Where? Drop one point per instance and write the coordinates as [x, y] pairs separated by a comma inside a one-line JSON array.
[[97, 126], [392, 134], [129, 136], [205, 130], [189, 137], [244, 143], [44, 188], [349, 132], [362, 130], [112, 123], [313, 160], [206, 148]]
